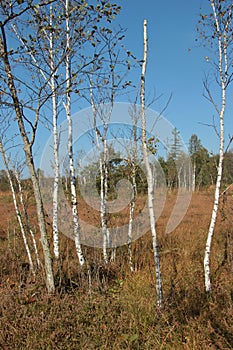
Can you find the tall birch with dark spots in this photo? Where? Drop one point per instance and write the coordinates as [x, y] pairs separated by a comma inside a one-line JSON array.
[[150, 182], [216, 30]]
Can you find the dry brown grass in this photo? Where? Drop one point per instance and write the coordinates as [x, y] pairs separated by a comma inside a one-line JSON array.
[[107, 307]]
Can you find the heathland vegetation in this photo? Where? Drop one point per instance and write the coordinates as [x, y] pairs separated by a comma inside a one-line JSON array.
[[80, 270], [103, 306]]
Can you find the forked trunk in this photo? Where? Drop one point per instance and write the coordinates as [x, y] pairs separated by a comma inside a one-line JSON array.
[[30, 163]]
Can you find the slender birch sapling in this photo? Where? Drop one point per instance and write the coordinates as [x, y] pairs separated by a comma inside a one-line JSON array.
[[9, 76], [55, 136], [149, 176], [219, 22], [17, 210], [134, 185], [76, 226]]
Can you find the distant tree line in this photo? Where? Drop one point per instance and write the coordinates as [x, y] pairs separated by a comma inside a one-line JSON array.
[[204, 172], [204, 169]]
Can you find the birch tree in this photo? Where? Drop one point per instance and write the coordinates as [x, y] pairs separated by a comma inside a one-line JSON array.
[[16, 205], [217, 32], [194, 149], [134, 194], [55, 45], [67, 105], [104, 87], [149, 173], [53, 72], [10, 88], [38, 70], [26, 217], [43, 22], [103, 173], [93, 34]]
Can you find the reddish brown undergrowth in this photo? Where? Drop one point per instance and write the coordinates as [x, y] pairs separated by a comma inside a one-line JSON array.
[[107, 307]]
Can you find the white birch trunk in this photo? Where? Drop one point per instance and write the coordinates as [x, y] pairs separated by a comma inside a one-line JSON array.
[[131, 217], [132, 201], [30, 163], [105, 191], [35, 248], [17, 211], [223, 70], [76, 226], [55, 143], [29, 230], [194, 177], [149, 176], [102, 181], [103, 210], [55, 135]]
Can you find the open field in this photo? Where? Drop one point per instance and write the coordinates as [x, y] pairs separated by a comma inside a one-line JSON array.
[[106, 306]]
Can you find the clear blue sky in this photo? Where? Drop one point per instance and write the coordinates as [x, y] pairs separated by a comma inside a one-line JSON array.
[[176, 63]]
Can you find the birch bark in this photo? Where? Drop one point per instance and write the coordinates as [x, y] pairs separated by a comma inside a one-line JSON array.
[[29, 230], [102, 176], [52, 85], [134, 194], [149, 175], [223, 76], [76, 226], [17, 210], [55, 141], [30, 161]]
